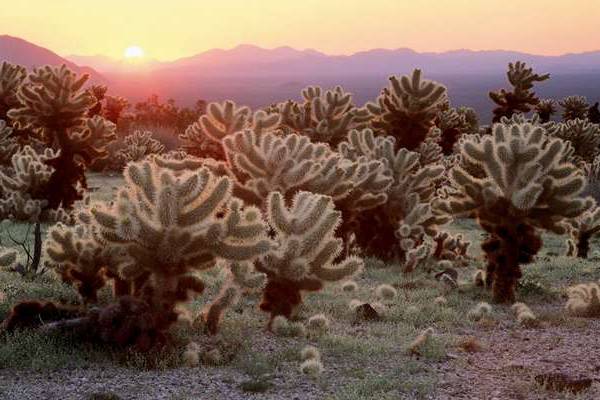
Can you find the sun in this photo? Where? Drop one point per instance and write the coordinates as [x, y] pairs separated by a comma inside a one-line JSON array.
[[134, 53]]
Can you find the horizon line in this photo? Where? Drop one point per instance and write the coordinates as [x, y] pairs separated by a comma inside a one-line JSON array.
[[171, 60]]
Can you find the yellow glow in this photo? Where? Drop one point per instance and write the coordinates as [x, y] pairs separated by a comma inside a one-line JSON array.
[[134, 52], [178, 28]]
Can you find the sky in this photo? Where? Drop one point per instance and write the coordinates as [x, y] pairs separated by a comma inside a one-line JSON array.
[[171, 29]]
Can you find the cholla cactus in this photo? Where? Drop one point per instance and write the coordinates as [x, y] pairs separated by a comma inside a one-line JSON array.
[[114, 108], [304, 257], [8, 143], [325, 116], [162, 227], [593, 114], [453, 248], [396, 228], [204, 138], [138, 145], [583, 136], [407, 109], [84, 259], [592, 174], [242, 275], [545, 108], [521, 99], [584, 300], [526, 185], [289, 164], [453, 123], [585, 226], [54, 107], [574, 107], [25, 184], [11, 78]]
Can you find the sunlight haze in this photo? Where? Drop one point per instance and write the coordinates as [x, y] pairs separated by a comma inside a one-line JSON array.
[[173, 29]]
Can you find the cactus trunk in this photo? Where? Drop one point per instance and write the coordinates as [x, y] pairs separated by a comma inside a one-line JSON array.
[[583, 244], [509, 246]]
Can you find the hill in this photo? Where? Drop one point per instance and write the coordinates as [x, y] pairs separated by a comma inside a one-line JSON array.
[[22, 52]]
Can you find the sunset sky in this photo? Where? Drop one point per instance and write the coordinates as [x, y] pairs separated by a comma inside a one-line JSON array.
[[170, 29]]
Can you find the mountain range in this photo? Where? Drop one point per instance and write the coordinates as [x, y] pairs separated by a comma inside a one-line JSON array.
[[256, 76]]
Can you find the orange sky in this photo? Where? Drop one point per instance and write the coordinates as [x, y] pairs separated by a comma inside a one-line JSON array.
[[169, 29]]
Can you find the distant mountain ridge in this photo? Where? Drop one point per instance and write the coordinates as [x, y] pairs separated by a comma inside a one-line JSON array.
[[255, 76], [249, 60], [22, 52]]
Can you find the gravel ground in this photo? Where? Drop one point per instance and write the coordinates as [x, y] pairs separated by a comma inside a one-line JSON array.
[[174, 384], [510, 359]]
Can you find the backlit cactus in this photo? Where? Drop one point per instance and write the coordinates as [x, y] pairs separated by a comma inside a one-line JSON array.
[[397, 228], [325, 116], [545, 108], [11, 78], [25, 184], [138, 145], [574, 107], [407, 109], [292, 163], [583, 136], [163, 226], [306, 254], [204, 138], [526, 185], [8, 143], [585, 226], [521, 99], [54, 106], [453, 123]]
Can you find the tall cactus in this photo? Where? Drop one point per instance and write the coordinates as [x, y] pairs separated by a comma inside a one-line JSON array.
[[521, 99], [407, 109], [306, 252], [523, 184], [54, 106]]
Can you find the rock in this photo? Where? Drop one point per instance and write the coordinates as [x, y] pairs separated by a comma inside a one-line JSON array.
[[367, 312]]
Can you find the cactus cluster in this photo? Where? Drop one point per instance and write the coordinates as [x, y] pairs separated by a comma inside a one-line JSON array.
[[521, 99], [398, 227], [306, 254], [162, 227], [526, 184]]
